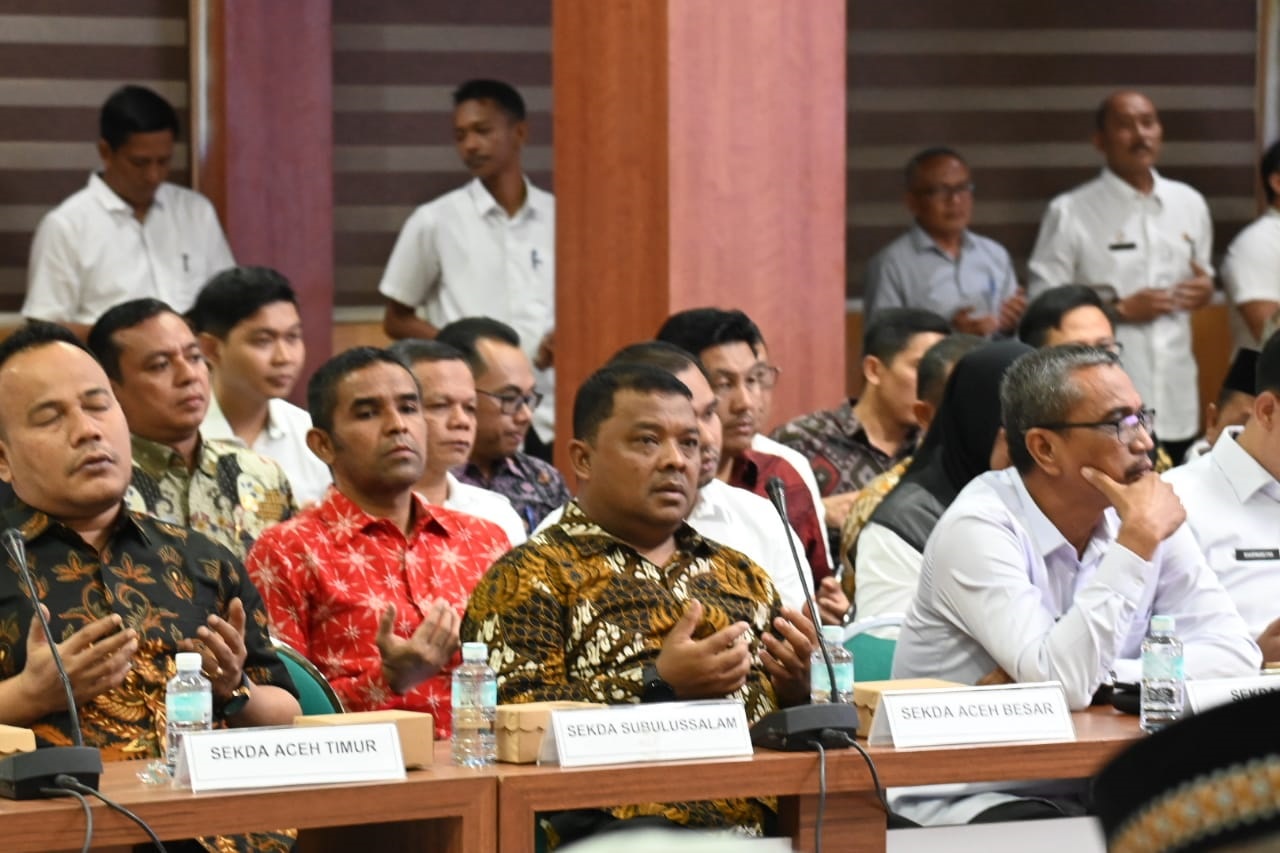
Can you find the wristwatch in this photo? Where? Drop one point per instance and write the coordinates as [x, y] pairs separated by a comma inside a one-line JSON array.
[[239, 697], [654, 689]]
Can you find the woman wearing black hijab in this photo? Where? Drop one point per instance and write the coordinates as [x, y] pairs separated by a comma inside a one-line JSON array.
[[964, 440]]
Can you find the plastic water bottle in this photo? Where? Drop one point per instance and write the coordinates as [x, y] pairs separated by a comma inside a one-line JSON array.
[[841, 662], [475, 705], [188, 702], [1162, 677]]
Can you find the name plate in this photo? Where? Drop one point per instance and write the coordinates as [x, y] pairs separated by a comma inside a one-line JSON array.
[[658, 731], [279, 757], [1002, 713], [1211, 692]]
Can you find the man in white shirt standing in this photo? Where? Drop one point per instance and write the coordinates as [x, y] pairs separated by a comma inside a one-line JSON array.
[[129, 233], [247, 322], [1232, 499], [1052, 569], [1145, 241], [449, 405], [486, 249], [1251, 270]]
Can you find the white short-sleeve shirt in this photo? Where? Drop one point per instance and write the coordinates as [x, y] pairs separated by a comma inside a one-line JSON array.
[[285, 440], [1251, 272], [91, 253]]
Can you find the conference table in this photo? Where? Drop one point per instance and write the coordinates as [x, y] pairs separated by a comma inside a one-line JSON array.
[[450, 808]]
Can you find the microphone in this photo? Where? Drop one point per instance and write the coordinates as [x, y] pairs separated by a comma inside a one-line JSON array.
[[832, 725], [29, 775]]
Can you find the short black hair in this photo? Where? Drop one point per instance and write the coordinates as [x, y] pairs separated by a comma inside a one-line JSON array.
[[890, 331], [937, 361], [126, 315], [593, 404], [134, 109], [37, 333], [322, 394], [236, 294], [661, 354], [921, 157], [504, 95], [412, 351], [1268, 367], [464, 335], [1046, 311], [699, 329], [1268, 166]]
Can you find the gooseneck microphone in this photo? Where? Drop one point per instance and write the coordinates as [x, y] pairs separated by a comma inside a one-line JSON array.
[[31, 775], [804, 727]]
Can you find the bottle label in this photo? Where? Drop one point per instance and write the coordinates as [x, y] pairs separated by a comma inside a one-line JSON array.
[[189, 707], [1161, 667], [487, 690], [820, 683]]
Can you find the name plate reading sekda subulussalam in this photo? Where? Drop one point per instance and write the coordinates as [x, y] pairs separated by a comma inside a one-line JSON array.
[[227, 759], [1211, 692], [1003, 713], [657, 731]]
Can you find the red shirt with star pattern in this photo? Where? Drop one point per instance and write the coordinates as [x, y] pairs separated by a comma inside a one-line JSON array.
[[327, 574]]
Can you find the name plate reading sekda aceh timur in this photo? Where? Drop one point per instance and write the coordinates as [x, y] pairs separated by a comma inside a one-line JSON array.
[[1211, 692], [227, 759], [657, 731], [1002, 713]]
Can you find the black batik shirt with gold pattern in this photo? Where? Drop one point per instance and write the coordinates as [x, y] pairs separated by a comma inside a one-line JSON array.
[[575, 613], [163, 581]]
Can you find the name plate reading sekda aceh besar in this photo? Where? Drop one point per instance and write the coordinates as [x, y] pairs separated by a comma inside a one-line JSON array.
[[657, 731], [1003, 713], [227, 759], [1203, 694]]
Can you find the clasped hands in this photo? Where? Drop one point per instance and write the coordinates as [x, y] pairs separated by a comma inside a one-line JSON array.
[[408, 662]]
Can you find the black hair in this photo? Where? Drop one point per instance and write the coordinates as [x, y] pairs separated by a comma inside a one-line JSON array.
[[322, 394], [463, 335], [921, 157], [890, 331], [37, 333], [937, 361], [126, 315], [412, 351], [1268, 166], [660, 354], [134, 109], [1046, 311], [1267, 372], [504, 95], [593, 404], [699, 329], [236, 294]]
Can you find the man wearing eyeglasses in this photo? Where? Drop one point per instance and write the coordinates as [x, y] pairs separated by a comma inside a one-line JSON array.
[[506, 397], [940, 265], [1050, 570], [1146, 242]]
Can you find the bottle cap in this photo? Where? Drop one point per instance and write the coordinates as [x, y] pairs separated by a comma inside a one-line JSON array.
[[1162, 624], [189, 661], [833, 634], [475, 652]]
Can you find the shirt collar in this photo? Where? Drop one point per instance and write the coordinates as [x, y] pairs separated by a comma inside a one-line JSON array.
[[591, 539], [1122, 188], [486, 204], [346, 520], [33, 523], [711, 503], [506, 465], [1244, 475], [1045, 533], [217, 422], [922, 242], [107, 197], [155, 458]]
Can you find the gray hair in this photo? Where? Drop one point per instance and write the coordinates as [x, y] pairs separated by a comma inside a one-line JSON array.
[[1040, 389]]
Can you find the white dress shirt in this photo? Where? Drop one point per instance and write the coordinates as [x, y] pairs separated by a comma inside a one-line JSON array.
[[461, 255], [1001, 587], [1251, 272], [887, 571], [91, 253], [284, 439], [761, 443], [1233, 508], [748, 524], [1105, 232], [485, 504]]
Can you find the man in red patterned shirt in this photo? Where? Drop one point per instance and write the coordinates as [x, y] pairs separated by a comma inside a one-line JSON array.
[[371, 583]]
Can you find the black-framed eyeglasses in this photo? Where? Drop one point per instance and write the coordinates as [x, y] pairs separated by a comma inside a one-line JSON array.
[[947, 191], [510, 402], [1126, 428]]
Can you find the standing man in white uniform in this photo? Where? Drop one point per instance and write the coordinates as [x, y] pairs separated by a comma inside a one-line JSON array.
[[128, 234], [1251, 269], [1145, 242], [486, 249]]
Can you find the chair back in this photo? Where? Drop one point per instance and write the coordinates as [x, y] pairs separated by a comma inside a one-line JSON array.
[[315, 695], [872, 654]]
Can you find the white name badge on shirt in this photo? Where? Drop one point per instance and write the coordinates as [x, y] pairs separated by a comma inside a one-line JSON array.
[[657, 731], [1001, 713], [280, 757], [1211, 692]]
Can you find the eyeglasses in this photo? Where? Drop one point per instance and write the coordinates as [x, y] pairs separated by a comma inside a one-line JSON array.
[[1126, 428], [939, 192], [762, 377], [766, 375], [510, 402]]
